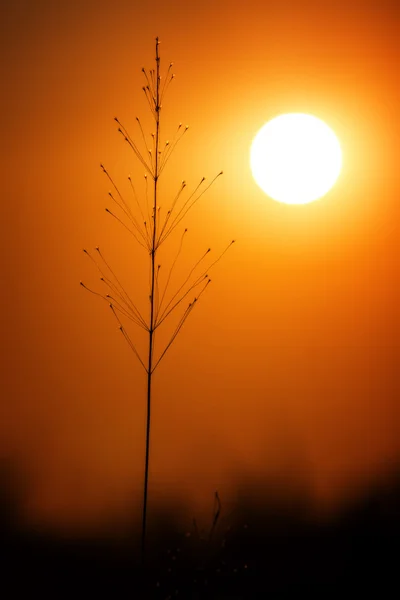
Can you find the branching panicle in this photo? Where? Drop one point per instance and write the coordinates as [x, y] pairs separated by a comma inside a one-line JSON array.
[[150, 227]]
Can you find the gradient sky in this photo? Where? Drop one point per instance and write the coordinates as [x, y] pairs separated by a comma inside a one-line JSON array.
[[288, 367]]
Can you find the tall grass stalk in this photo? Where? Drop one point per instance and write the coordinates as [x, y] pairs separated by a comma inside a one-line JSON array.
[[150, 228]]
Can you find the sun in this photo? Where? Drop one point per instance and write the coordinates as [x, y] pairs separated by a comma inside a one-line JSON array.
[[295, 158]]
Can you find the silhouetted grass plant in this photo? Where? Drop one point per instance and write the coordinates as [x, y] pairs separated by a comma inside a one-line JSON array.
[[200, 564], [151, 227]]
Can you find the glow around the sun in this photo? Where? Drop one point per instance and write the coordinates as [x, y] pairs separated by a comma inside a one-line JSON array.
[[295, 158]]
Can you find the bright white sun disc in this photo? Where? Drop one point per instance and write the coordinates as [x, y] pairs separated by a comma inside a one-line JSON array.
[[295, 158]]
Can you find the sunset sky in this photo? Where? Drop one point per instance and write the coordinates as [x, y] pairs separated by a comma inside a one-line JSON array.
[[287, 370]]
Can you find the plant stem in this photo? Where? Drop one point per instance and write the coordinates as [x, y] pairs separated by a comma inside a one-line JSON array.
[[152, 307]]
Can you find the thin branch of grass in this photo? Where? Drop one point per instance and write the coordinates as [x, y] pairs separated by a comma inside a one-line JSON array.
[[196, 283], [92, 291], [166, 234], [162, 317], [150, 99], [126, 312], [149, 209], [107, 298], [120, 285], [145, 144], [153, 136], [157, 288], [126, 205], [159, 306], [126, 336], [145, 246], [119, 205], [130, 305], [169, 212], [149, 83], [124, 132], [97, 265], [192, 287], [136, 198], [153, 83], [217, 512], [177, 330], [171, 148], [181, 322], [220, 256], [166, 82], [126, 209], [146, 228], [177, 220]]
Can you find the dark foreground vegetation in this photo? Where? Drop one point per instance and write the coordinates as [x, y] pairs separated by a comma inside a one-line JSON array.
[[276, 551]]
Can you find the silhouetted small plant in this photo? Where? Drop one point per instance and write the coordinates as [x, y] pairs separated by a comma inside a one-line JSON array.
[[150, 228], [202, 564]]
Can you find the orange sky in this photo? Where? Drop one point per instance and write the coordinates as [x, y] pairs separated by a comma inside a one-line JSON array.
[[288, 365]]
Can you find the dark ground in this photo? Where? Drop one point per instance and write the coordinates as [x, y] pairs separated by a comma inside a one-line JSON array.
[[278, 551]]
